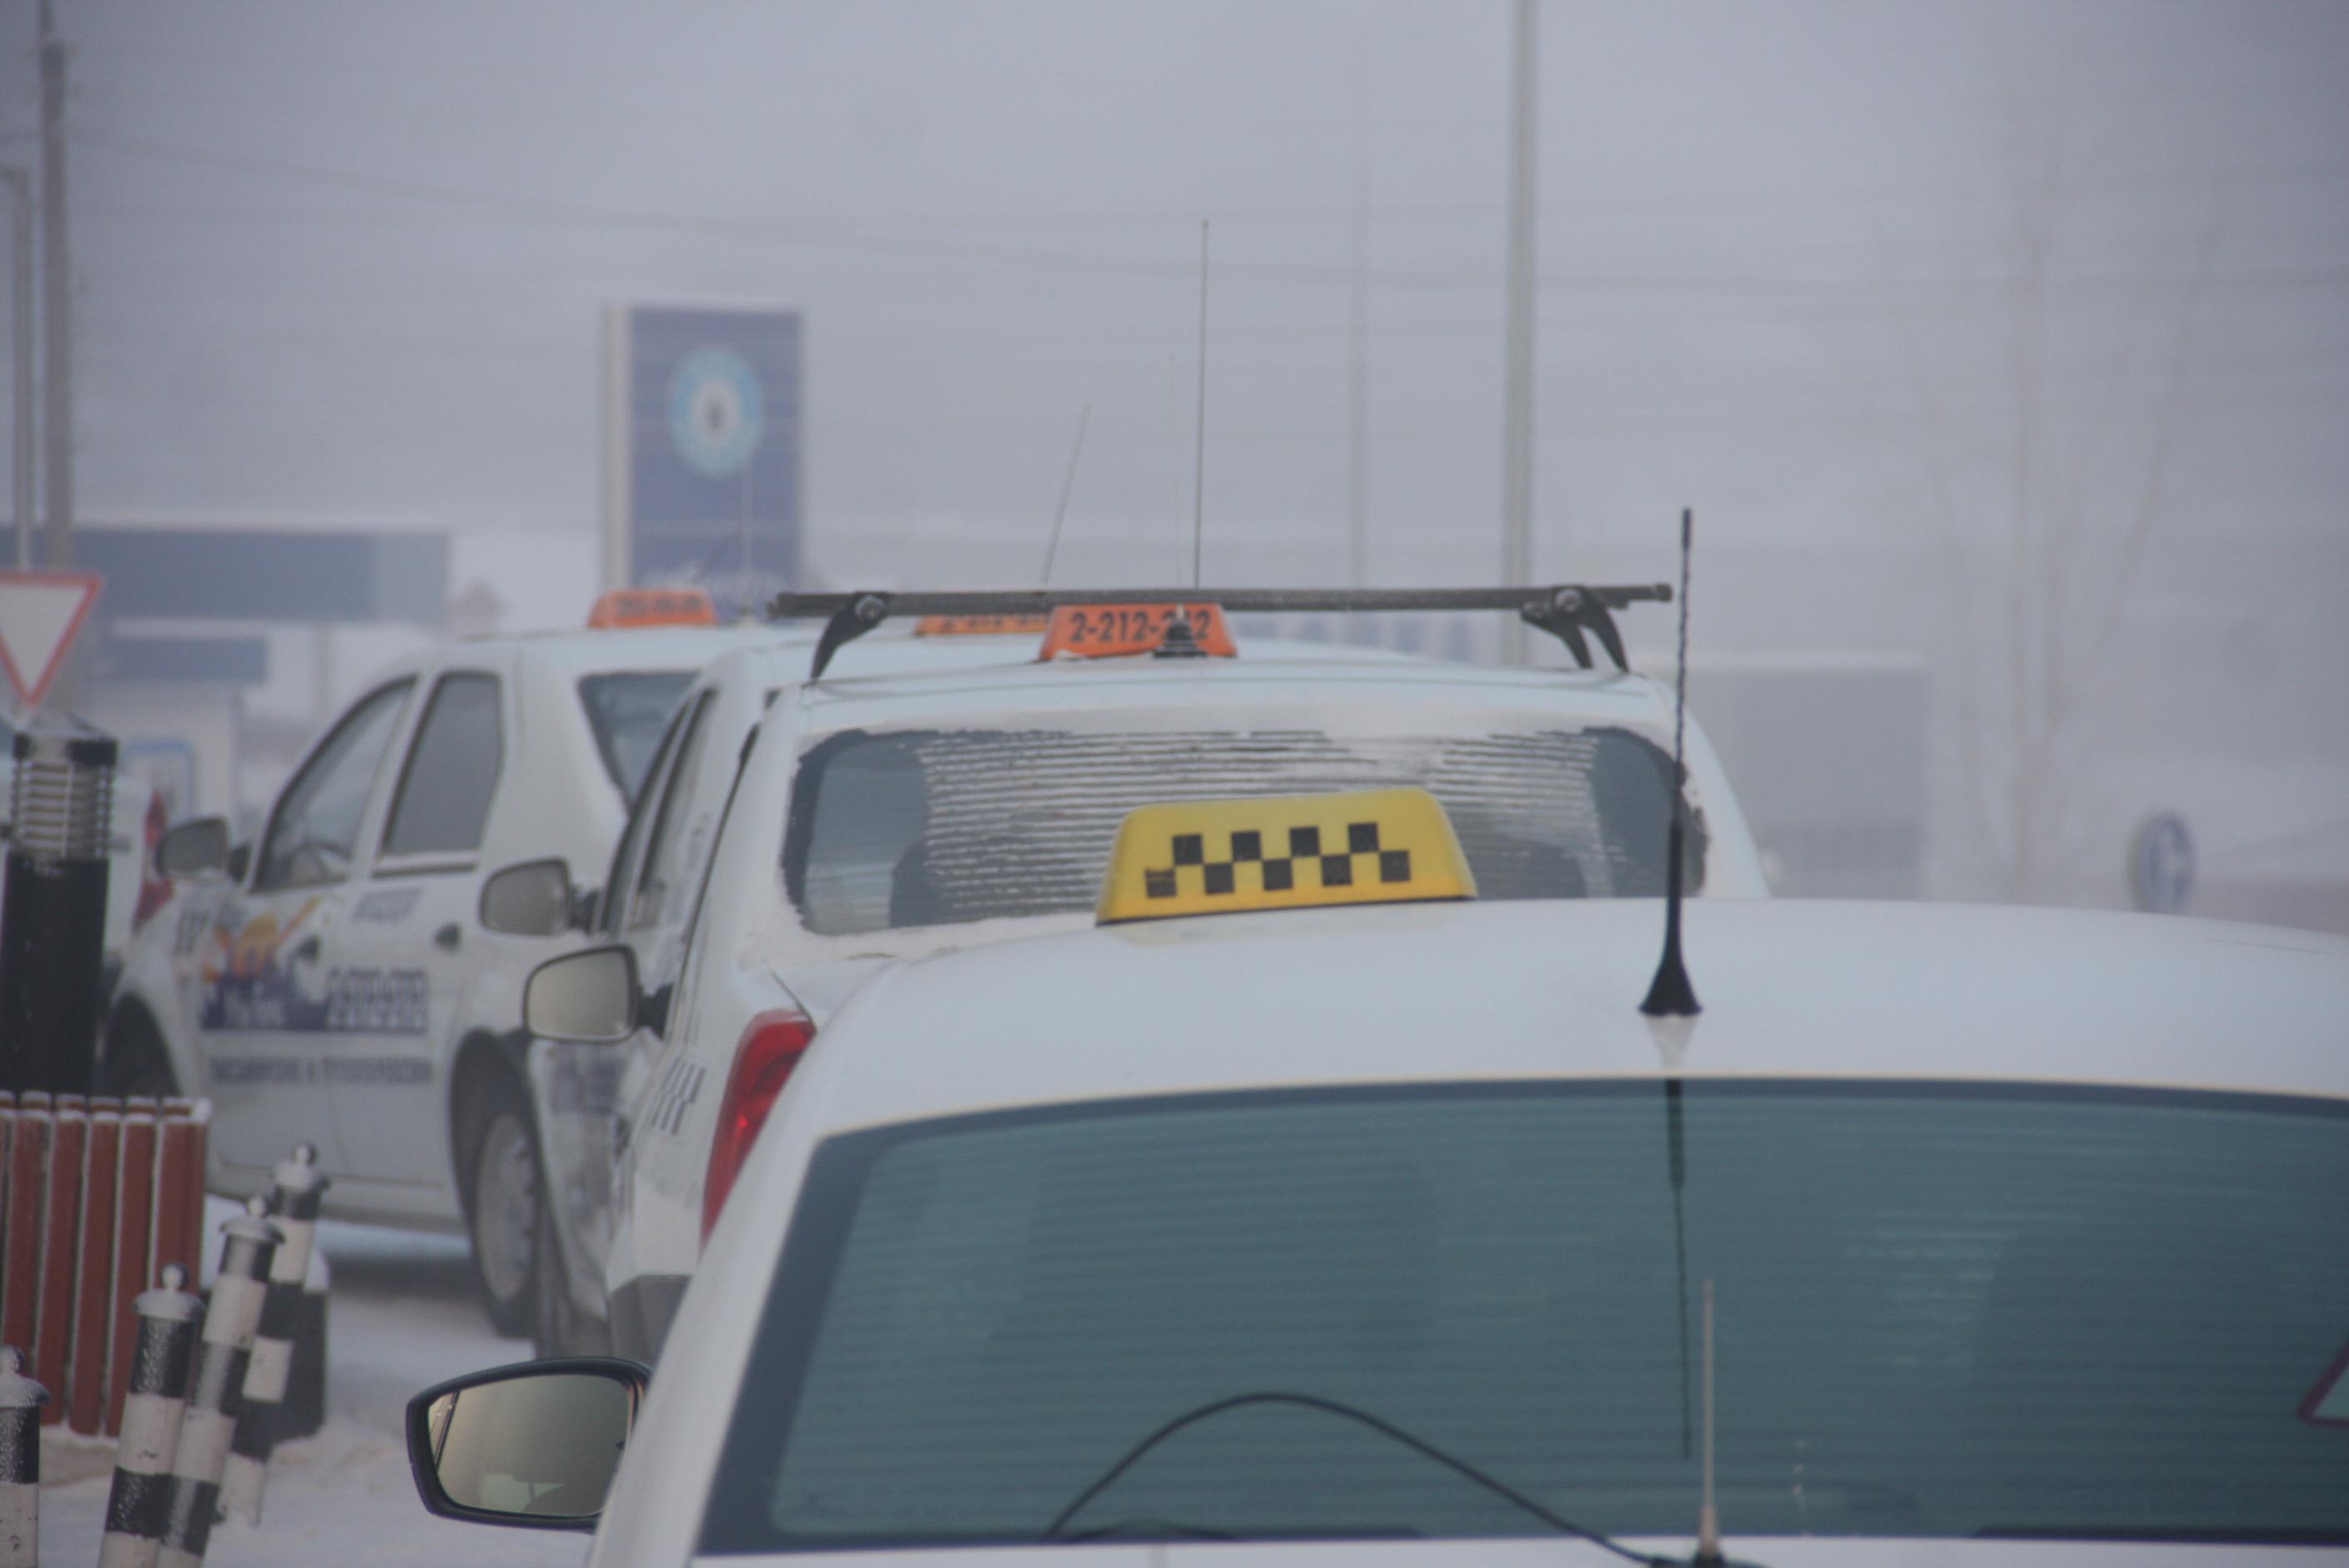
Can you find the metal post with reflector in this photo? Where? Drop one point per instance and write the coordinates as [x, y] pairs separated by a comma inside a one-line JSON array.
[[53, 919]]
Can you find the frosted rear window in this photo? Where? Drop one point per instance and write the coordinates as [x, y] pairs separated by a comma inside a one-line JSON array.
[[935, 827]]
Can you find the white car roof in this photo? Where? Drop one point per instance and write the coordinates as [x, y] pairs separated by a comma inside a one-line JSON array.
[[1030, 683], [1521, 990], [899, 654], [586, 651]]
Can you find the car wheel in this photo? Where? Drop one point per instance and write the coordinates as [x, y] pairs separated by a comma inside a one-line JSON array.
[[502, 1202], [557, 1325], [135, 1063]]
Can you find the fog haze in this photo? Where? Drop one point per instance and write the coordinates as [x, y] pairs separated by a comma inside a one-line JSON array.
[[2008, 341]]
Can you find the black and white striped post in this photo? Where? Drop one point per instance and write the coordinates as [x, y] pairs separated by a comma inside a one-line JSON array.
[[137, 1506], [21, 1399], [294, 1206], [305, 1409], [208, 1423]]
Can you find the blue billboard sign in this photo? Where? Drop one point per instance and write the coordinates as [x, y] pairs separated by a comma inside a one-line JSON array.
[[705, 479]]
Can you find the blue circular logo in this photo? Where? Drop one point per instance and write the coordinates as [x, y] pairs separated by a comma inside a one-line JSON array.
[[2161, 864], [716, 413]]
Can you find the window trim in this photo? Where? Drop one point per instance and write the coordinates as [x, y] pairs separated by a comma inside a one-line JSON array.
[[406, 685], [608, 915], [388, 861], [602, 741], [758, 1421], [694, 711]]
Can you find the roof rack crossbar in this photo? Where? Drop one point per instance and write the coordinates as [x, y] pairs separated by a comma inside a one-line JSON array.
[[1565, 609]]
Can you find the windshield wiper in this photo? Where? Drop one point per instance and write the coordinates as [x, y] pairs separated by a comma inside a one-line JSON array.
[[1359, 1417]]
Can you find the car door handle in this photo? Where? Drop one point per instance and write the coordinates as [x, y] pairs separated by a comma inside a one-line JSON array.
[[448, 936]]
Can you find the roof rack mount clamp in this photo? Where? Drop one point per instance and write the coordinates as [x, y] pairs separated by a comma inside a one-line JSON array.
[[1567, 613], [857, 615]]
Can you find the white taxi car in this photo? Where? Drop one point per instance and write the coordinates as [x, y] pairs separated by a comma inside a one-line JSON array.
[[875, 815], [336, 983], [658, 868], [1940, 1234], [655, 870]]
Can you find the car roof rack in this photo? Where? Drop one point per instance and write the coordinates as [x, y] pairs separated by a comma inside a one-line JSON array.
[[1565, 609]]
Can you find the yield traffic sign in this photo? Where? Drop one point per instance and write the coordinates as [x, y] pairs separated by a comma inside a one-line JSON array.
[[40, 614]]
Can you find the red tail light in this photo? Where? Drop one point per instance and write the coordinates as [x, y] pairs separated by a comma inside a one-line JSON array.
[[770, 1049], [154, 887]]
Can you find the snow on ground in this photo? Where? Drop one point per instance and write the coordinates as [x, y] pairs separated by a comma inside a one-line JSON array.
[[402, 1315]]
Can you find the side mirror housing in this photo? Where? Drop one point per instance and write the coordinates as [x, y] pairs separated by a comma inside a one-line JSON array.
[[534, 898], [533, 1445], [195, 848], [240, 858], [590, 996]]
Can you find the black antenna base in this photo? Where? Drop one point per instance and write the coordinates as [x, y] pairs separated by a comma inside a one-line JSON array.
[[1670, 996], [1178, 643]]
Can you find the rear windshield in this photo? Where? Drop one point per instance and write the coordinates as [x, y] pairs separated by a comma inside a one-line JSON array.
[[628, 711], [1941, 1310], [934, 827]]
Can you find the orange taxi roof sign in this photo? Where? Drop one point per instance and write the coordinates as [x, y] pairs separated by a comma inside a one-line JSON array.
[[654, 608], [980, 625], [1111, 630]]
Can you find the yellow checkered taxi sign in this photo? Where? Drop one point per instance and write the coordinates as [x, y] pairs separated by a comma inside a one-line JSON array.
[[1283, 852]]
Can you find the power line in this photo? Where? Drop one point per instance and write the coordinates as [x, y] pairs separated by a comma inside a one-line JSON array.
[[1732, 285]]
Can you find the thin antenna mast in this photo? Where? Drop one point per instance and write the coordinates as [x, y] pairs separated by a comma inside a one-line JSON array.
[[1708, 1517], [1199, 460], [1676, 1155], [1068, 483], [1669, 995]]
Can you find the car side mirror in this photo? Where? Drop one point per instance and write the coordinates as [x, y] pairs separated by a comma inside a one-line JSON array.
[[531, 898], [533, 1445], [195, 848], [590, 996], [239, 860]]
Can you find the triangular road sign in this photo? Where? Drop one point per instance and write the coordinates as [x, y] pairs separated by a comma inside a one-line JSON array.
[[40, 614]]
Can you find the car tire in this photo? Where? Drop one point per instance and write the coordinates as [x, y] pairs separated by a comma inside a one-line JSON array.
[[557, 1325], [503, 1191], [135, 1063]]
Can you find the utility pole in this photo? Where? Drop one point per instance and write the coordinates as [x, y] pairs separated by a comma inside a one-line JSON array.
[[1517, 376], [56, 298], [20, 191], [1358, 386]]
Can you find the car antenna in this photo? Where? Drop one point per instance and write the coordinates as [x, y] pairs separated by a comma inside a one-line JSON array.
[[1199, 449], [1708, 1517], [1068, 484], [1676, 1154], [1669, 995]]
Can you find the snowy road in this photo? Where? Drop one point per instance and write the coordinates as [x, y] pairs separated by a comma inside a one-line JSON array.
[[402, 1315]]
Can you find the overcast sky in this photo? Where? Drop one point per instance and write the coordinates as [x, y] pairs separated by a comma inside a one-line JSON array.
[[346, 263], [2012, 338]]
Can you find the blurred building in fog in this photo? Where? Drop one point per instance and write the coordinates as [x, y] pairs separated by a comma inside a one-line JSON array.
[[198, 617]]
